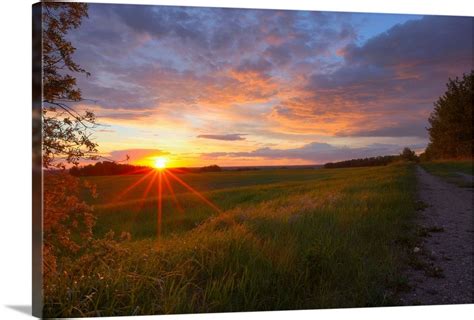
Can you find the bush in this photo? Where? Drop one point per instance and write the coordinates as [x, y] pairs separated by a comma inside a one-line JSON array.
[[67, 221]]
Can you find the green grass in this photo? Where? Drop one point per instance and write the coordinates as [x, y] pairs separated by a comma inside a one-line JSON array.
[[287, 239], [450, 169], [227, 190]]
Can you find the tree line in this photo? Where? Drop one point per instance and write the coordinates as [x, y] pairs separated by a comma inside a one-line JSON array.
[[111, 168], [107, 168], [406, 155], [362, 162]]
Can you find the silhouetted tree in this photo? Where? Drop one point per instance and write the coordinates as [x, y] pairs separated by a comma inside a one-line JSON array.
[[107, 168], [66, 132], [408, 154], [423, 156], [451, 121], [211, 168]]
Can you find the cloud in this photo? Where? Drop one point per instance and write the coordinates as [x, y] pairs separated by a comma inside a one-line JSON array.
[[225, 137], [432, 39], [315, 152], [408, 129], [135, 154], [259, 66], [279, 54], [156, 21], [395, 75], [148, 55], [266, 72]]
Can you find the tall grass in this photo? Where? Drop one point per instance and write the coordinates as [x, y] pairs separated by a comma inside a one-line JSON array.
[[320, 243]]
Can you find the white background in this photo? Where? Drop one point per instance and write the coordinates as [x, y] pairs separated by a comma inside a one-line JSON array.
[[15, 154]]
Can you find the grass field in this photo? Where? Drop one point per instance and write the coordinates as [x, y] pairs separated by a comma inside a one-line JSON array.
[[227, 190], [284, 239], [451, 170]]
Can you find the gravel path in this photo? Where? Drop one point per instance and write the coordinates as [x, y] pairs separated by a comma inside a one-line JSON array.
[[444, 270]]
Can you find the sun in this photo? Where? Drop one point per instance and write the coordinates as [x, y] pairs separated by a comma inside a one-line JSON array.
[[160, 163]]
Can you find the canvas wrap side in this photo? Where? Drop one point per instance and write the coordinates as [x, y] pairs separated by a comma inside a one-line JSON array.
[[37, 176]]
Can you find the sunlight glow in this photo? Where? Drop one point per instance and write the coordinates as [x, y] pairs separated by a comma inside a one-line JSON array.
[[160, 163], [160, 179]]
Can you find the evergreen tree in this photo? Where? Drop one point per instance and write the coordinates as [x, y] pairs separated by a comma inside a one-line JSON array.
[[451, 121]]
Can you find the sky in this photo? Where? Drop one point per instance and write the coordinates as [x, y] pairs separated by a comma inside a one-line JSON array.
[[237, 87]]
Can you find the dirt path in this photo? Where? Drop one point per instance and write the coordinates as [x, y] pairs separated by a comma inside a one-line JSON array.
[[443, 269]]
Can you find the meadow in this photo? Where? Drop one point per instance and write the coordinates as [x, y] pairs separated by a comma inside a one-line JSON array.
[[136, 213], [280, 239]]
